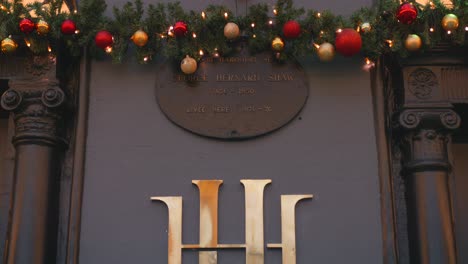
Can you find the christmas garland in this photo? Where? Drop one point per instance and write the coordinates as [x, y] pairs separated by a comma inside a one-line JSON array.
[[286, 30]]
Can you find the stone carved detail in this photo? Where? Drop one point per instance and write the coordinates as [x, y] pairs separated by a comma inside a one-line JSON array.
[[422, 82], [36, 114], [426, 134], [40, 65], [429, 118]]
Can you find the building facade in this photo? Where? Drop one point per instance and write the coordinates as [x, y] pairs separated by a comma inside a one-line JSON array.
[[369, 170]]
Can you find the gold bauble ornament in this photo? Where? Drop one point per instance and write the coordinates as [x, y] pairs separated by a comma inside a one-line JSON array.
[[188, 65], [277, 44], [8, 45], [366, 27], [326, 52], [42, 27], [450, 22], [231, 30], [413, 42], [140, 38]]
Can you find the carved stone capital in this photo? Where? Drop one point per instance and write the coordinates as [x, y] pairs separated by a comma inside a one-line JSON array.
[[37, 112], [445, 119], [426, 133]]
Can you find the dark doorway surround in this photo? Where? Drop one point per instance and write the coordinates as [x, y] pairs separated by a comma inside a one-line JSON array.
[[418, 101]]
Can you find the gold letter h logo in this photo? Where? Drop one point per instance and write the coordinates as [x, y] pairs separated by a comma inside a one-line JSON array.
[[254, 234]]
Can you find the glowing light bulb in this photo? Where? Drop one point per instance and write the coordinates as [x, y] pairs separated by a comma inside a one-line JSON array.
[[466, 28], [49, 49], [77, 31], [275, 11], [108, 49], [318, 14], [270, 22], [431, 29], [389, 42], [254, 36], [203, 15], [201, 53], [194, 35], [252, 25], [339, 30], [449, 32], [226, 15], [145, 59]]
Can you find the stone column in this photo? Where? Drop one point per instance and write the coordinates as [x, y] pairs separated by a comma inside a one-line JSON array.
[[426, 168], [35, 101]]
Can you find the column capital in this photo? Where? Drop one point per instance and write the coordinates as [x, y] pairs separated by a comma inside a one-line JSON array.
[[36, 101], [429, 118]]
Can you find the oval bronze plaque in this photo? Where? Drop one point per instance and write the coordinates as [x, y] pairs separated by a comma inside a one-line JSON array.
[[233, 98]]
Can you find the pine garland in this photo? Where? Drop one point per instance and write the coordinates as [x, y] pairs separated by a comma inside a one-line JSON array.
[[259, 27]]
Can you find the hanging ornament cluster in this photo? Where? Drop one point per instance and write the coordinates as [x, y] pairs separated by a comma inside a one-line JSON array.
[[27, 26], [348, 42], [413, 42], [68, 27], [326, 52], [291, 29], [8, 46], [277, 44], [140, 38], [42, 27], [231, 31], [180, 29], [450, 22], [104, 39], [407, 13], [188, 65]]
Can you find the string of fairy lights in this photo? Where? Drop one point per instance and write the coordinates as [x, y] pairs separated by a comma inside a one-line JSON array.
[[400, 27]]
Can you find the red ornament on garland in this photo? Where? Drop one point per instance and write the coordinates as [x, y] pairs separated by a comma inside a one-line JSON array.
[[26, 25], [104, 39], [291, 29], [407, 13], [180, 29], [68, 27], [348, 42]]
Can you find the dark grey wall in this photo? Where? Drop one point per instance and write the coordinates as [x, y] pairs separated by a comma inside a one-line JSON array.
[[134, 152]]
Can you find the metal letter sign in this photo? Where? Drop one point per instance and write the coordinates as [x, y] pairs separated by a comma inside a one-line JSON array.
[[254, 244]]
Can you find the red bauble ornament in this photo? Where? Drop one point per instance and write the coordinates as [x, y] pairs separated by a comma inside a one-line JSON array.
[[291, 29], [26, 25], [68, 27], [407, 13], [180, 29], [103, 39], [348, 42]]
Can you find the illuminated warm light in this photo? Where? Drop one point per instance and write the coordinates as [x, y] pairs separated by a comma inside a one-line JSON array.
[[216, 55], [226, 15], [270, 22], [201, 53], [162, 36], [339, 30], [275, 12], [321, 32], [170, 34], [368, 64], [194, 35], [316, 45], [319, 15], [203, 15], [254, 36], [75, 11], [447, 3], [449, 32], [431, 29], [28, 43], [389, 42], [145, 59], [358, 29], [49, 49], [108, 49], [466, 28], [252, 25], [77, 31]]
